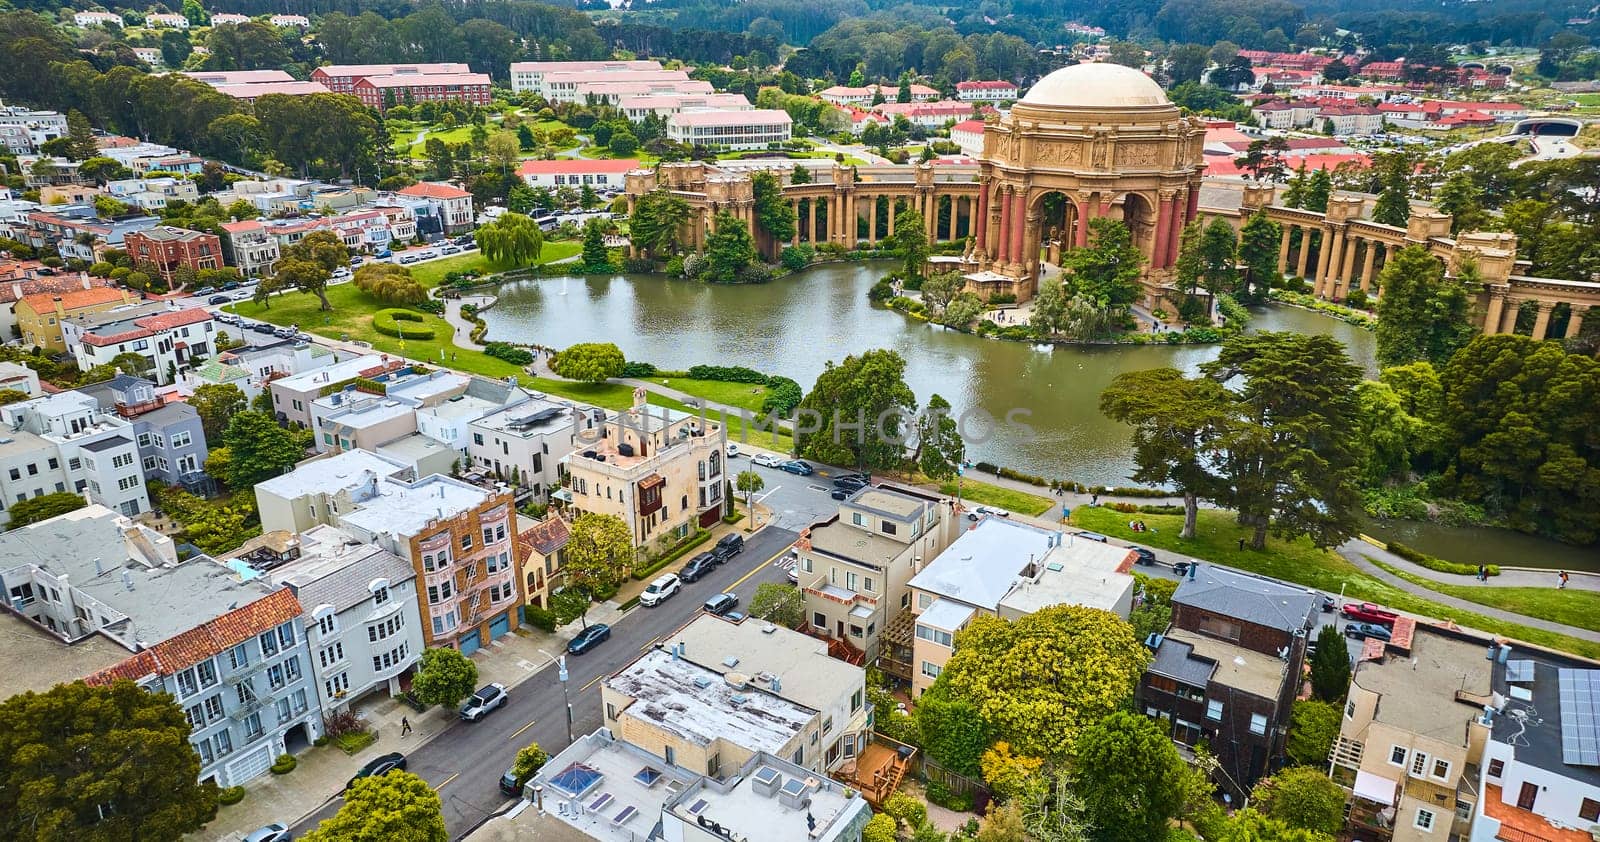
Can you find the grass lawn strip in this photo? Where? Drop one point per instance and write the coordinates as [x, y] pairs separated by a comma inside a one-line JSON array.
[[1300, 561], [431, 273], [1577, 608], [744, 395], [1009, 499]]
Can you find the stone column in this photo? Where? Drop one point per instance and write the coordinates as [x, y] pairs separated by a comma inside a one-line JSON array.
[[852, 222], [930, 216], [1158, 256], [1283, 251], [1491, 317], [1305, 251], [1368, 265], [891, 215], [1575, 320], [872, 220], [811, 224], [1033, 233], [955, 215], [1003, 248], [1541, 323], [1346, 274], [1327, 258], [1194, 204], [1019, 228], [980, 226], [1508, 319], [1175, 233], [1084, 212]]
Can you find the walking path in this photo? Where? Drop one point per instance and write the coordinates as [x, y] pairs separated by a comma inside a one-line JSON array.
[[459, 323]]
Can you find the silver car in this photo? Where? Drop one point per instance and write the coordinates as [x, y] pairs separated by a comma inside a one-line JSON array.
[[275, 832]]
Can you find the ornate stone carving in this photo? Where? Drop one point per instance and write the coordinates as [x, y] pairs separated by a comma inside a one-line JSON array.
[[1138, 154], [1058, 153]]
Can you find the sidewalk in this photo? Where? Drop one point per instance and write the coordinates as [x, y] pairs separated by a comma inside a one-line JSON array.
[[459, 325], [323, 770], [1519, 577]]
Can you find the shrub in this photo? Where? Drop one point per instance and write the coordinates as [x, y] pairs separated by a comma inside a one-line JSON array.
[[636, 369], [796, 257], [940, 794], [1357, 298], [674, 267], [881, 291], [1161, 510], [638, 265], [783, 395], [1125, 508], [649, 570], [1031, 479], [1125, 491], [353, 743], [320, 741], [230, 795], [284, 764], [539, 618], [508, 352], [1438, 564], [727, 373], [404, 324]]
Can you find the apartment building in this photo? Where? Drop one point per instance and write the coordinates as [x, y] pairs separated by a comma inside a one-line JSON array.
[[65, 442], [361, 616], [455, 204], [88, 19], [658, 469], [170, 340], [168, 249], [250, 368], [247, 245], [986, 91], [153, 194], [75, 232], [34, 128], [528, 441], [753, 129], [171, 439], [575, 172], [19, 378], [855, 568], [231, 652], [538, 552], [845, 95], [381, 91], [528, 76], [1540, 770], [607, 92], [39, 316], [1413, 735], [1229, 669], [665, 105], [342, 78], [290, 21], [1009, 570], [165, 19], [927, 114], [570, 86], [767, 799], [292, 396]]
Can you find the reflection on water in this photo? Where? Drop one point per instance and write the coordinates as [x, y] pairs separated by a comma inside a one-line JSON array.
[[1483, 545], [793, 327]]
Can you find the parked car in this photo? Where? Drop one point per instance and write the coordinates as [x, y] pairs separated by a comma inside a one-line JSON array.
[[733, 450], [797, 466], [450, 250], [589, 638], [203, 291], [722, 603], [408, 258], [766, 460], [1362, 631], [1328, 604], [1181, 567], [659, 590], [840, 494], [728, 546], [263, 327], [1366, 612], [469, 246], [275, 832], [508, 783], [1144, 557], [218, 299], [850, 482], [1092, 536], [230, 286], [485, 701], [380, 766], [697, 567], [792, 563]]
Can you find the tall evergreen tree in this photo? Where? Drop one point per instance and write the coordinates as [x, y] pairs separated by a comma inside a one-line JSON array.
[[1330, 666], [1423, 314], [1259, 240]]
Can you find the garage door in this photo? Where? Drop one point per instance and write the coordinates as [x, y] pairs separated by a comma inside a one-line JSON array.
[[500, 625], [250, 765], [472, 642]]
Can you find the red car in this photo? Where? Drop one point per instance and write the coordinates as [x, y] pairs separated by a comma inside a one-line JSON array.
[[1368, 613]]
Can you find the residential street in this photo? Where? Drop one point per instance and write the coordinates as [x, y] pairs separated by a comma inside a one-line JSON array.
[[465, 762]]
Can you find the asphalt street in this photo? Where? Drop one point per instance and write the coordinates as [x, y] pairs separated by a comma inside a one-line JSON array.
[[464, 763]]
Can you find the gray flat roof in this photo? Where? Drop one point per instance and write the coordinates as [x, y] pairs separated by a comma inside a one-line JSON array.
[[330, 474], [946, 614], [1418, 693], [805, 672], [36, 660], [1537, 738], [981, 566], [841, 540], [336, 570], [698, 705], [613, 767], [889, 503], [1230, 665], [406, 508], [107, 443], [1254, 599]]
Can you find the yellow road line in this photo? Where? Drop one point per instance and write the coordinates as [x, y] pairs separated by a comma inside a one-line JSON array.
[[446, 782], [757, 568], [592, 682], [518, 732], [649, 643]]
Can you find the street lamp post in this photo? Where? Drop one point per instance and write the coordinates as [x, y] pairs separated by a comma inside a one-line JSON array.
[[561, 673]]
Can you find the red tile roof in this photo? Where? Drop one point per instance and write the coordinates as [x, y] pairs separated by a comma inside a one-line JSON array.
[[149, 325], [434, 190], [206, 640], [546, 537], [73, 299]]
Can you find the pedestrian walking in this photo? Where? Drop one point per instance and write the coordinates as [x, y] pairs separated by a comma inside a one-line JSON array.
[[1482, 573], [1094, 499], [1564, 578], [1241, 544], [405, 726]]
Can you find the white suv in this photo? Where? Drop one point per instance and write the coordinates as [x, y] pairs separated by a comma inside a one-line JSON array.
[[657, 592]]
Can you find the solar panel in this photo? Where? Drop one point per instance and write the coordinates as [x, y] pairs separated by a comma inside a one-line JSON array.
[[1520, 671], [698, 806], [1580, 716], [626, 813]]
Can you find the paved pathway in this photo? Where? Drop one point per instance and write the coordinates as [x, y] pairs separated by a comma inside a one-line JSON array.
[[459, 324]]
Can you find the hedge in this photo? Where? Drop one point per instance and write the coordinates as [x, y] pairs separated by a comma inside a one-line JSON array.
[[405, 324], [1125, 491], [539, 618], [508, 352], [1439, 564], [650, 570], [728, 374], [284, 764], [637, 369], [230, 795]]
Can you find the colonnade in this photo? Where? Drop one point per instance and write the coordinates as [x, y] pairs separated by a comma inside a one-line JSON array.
[[839, 218], [1341, 250]]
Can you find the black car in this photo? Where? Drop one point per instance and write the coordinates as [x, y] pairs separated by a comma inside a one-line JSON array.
[[728, 546], [1181, 568], [219, 299], [1144, 557], [850, 482], [1328, 604], [1362, 631], [589, 638], [380, 766], [230, 286], [697, 567], [840, 494]]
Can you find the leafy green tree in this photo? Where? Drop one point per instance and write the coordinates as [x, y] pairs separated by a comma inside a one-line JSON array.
[[512, 240], [1002, 823], [880, 828], [1040, 680], [953, 731], [259, 449], [939, 289], [503, 150], [530, 759], [911, 239], [589, 362], [1259, 240], [99, 763], [1289, 454], [389, 283], [657, 222], [81, 137], [568, 604], [1250, 825], [1049, 308], [1009, 775], [1313, 727], [444, 677], [779, 602], [748, 483], [1303, 797], [870, 388], [1461, 197], [800, 174], [1175, 421], [1107, 270], [730, 249], [394, 807], [903, 91], [599, 551], [307, 266], [216, 403], [1219, 256], [1190, 266], [1318, 188], [1128, 775], [623, 144], [596, 257], [44, 507], [11, 396], [1330, 666], [1423, 314], [1387, 432], [1394, 201], [773, 212], [940, 450]]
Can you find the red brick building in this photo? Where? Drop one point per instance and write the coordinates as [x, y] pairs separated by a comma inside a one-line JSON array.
[[434, 87], [167, 248]]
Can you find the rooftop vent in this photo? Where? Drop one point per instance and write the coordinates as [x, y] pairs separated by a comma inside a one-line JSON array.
[[731, 661], [767, 782], [737, 680]]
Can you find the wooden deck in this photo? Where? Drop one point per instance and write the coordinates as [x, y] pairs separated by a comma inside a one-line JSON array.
[[876, 772]]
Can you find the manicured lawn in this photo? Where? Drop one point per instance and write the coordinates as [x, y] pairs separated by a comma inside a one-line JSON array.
[[744, 395], [431, 273], [1577, 608], [1009, 499], [1216, 540]]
